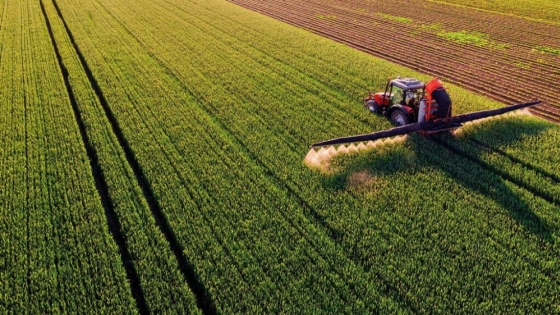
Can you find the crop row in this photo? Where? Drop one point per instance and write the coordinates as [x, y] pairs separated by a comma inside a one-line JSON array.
[[209, 115], [156, 281], [277, 140], [540, 10], [506, 29], [231, 258], [56, 254]]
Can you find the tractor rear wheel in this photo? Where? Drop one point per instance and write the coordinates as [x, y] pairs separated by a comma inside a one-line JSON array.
[[399, 118]]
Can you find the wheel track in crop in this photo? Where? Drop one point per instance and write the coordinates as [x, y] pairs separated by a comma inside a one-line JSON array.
[[503, 174], [100, 183], [498, 172], [185, 181], [517, 160], [310, 211], [178, 172], [203, 299], [236, 140], [305, 20], [534, 190], [27, 170]]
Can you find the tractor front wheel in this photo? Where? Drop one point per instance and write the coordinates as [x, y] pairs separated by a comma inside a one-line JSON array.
[[373, 107], [399, 118]]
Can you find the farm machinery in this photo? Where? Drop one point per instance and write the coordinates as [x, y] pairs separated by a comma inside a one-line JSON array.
[[413, 106]]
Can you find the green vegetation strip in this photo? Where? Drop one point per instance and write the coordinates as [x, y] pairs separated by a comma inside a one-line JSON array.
[[395, 18], [548, 50], [161, 286], [56, 253], [465, 37]]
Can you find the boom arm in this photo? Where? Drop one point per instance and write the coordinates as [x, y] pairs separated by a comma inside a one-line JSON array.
[[429, 125]]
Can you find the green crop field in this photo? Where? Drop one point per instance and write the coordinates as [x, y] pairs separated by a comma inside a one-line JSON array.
[[152, 161]]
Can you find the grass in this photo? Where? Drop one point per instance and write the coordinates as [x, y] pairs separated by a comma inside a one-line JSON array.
[[394, 18], [547, 50], [326, 17], [465, 37]]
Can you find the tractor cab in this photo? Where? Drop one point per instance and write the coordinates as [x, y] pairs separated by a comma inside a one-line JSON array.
[[407, 91], [399, 102], [404, 101]]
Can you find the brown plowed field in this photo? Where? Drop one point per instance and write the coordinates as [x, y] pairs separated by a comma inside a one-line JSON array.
[[506, 65]]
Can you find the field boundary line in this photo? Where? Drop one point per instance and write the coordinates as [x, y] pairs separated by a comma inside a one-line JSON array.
[[100, 182]]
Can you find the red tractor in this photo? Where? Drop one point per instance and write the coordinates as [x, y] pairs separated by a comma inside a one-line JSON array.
[[407, 100], [416, 107]]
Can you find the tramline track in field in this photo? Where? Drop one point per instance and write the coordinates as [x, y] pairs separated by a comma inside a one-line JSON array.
[[101, 184], [534, 168], [141, 278], [308, 209]]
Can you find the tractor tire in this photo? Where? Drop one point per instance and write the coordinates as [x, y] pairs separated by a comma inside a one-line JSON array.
[[373, 107], [399, 118]]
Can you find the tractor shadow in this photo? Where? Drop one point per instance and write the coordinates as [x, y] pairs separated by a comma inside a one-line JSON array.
[[418, 154]]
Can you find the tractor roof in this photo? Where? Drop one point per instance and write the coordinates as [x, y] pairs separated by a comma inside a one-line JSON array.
[[407, 83]]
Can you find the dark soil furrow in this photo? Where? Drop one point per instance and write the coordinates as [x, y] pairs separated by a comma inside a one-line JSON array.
[[101, 184], [203, 298]]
